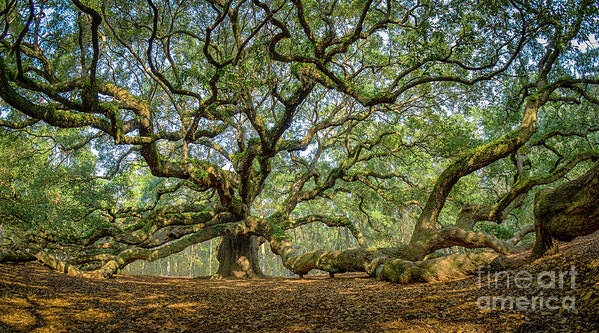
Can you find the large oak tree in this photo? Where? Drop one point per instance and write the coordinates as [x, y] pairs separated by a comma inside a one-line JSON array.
[[256, 117]]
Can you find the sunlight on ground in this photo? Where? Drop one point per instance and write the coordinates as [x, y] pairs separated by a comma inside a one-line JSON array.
[[14, 301], [93, 315], [17, 318], [27, 285], [187, 306], [52, 302]]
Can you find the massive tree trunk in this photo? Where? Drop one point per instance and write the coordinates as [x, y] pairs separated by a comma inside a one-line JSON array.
[[566, 211], [238, 257]]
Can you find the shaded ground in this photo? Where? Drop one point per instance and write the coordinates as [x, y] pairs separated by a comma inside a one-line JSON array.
[[33, 298]]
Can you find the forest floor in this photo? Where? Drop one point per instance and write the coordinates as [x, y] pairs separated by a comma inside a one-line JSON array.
[[34, 298]]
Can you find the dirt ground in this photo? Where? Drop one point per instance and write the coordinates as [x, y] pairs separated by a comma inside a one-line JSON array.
[[34, 298]]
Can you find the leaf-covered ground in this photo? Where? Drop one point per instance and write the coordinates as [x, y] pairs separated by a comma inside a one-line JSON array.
[[33, 298]]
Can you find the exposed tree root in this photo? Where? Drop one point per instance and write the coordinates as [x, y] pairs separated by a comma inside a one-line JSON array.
[[434, 270]]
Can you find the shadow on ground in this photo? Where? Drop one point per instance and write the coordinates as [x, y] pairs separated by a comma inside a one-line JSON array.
[[33, 298]]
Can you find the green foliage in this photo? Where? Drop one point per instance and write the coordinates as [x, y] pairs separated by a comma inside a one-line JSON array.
[[498, 230], [43, 189]]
